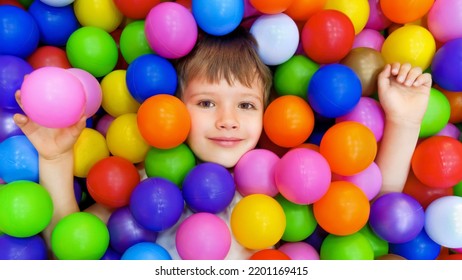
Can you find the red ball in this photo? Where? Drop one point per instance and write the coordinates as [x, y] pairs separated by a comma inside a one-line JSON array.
[[49, 56], [269, 254], [135, 9], [111, 181]]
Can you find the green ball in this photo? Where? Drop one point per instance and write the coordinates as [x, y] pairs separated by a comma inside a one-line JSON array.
[[349, 247], [25, 3], [80, 236], [457, 189], [133, 42], [93, 50], [26, 208], [437, 114], [171, 164], [293, 76], [379, 246], [300, 221]]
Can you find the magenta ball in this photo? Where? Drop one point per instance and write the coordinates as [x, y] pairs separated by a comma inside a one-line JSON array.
[[444, 20], [93, 91], [377, 20], [302, 176], [102, 125], [369, 38], [450, 130], [254, 173], [171, 30], [299, 251], [53, 97], [369, 180], [203, 236]]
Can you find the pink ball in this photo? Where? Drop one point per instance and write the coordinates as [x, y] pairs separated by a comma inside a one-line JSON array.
[[369, 180], [203, 236], [445, 19], [299, 251], [450, 130], [103, 124], [302, 176], [254, 173], [369, 38], [93, 92], [171, 30], [53, 97], [377, 20]]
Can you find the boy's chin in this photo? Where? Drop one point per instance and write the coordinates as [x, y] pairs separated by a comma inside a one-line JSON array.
[[226, 162]]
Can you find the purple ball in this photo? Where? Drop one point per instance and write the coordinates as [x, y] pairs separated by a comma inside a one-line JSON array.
[[126, 232], [208, 187], [8, 127], [12, 72], [28, 248], [396, 217], [447, 65], [110, 255], [156, 203]]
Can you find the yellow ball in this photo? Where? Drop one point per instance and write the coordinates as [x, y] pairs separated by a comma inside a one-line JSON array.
[[117, 100], [98, 13], [90, 148], [413, 44], [357, 10], [124, 139], [258, 221]]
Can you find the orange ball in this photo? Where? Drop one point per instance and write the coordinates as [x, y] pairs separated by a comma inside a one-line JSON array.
[[455, 103], [349, 147], [269, 254], [164, 121], [288, 121], [343, 210], [405, 11], [302, 10], [271, 6]]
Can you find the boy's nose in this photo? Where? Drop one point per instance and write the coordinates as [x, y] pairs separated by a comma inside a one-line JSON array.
[[227, 120]]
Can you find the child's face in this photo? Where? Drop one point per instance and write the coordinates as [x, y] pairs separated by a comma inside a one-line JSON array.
[[226, 121]]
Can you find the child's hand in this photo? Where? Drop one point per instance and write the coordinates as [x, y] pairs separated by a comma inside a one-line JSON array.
[[404, 92]]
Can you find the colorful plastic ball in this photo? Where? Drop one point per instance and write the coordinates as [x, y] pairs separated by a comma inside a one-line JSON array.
[[117, 100], [103, 123], [377, 20], [80, 236], [92, 88], [302, 10], [302, 176], [271, 7], [133, 42], [269, 254], [369, 180], [26, 248], [18, 159], [156, 204], [257, 221], [299, 251], [450, 130], [150, 75], [164, 121], [146, 251], [58, 3], [390, 257], [135, 9], [125, 140], [446, 64], [455, 102], [437, 114], [406, 11], [288, 121], [125, 232], [327, 36], [437, 161], [254, 173], [277, 38], [422, 247], [294, 75], [442, 219], [111, 254], [396, 217], [8, 127], [412, 44], [12, 72], [49, 56], [444, 18], [218, 17], [171, 30], [423, 193], [89, 148], [379, 246], [356, 10], [102, 14], [92, 49], [19, 32], [350, 247], [334, 90]]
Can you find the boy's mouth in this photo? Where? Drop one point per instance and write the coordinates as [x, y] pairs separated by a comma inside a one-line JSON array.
[[226, 141]]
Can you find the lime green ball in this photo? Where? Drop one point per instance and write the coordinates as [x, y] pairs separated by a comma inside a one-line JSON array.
[[457, 189], [133, 42], [80, 236], [26, 208], [300, 221], [92, 49], [349, 247], [379, 246], [437, 114], [293, 76]]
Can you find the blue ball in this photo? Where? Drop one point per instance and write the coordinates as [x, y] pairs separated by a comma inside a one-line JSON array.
[[150, 74], [111, 254], [208, 187], [218, 17], [334, 90], [28, 248], [422, 247], [19, 33], [12, 72], [146, 251], [447, 65], [18, 160], [8, 127]]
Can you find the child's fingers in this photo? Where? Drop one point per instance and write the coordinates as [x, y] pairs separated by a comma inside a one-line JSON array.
[[20, 120], [403, 72], [423, 80], [383, 78], [17, 95], [412, 75], [395, 67]]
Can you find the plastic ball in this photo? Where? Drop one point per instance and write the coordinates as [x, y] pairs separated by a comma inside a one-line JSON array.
[[422, 247], [271, 7], [455, 103], [437, 114], [379, 246], [8, 127], [406, 11], [111, 254], [437, 161], [89, 148], [26, 248], [350, 247], [369, 38], [19, 32], [444, 18], [125, 232], [49, 56], [327, 36], [302, 176], [171, 164], [102, 14], [369, 180], [135, 9], [334, 90], [92, 49], [288, 121], [150, 75], [80, 236], [257, 221], [299, 251], [125, 140], [450, 130], [254, 173], [57, 3], [133, 42], [269, 254], [156, 204], [117, 100], [171, 30], [18, 159], [12, 72], [302, 10], [442, 221], [412, 44], [356, 10], [92, 88], [277, 38], [164, 121], [423, 193], [103, 123], [218, 17], [392, 257], [446, 64], [396, 217], [146, 251], [377, 20]]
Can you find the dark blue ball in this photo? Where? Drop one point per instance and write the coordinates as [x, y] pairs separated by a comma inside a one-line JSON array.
[[28, 248], [447, 65]]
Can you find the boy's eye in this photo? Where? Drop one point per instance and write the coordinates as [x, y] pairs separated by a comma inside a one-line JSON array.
[[206, 104], [246, 106]]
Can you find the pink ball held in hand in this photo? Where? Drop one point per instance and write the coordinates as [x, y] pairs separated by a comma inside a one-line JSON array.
[[53, 97], [92, 88]]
